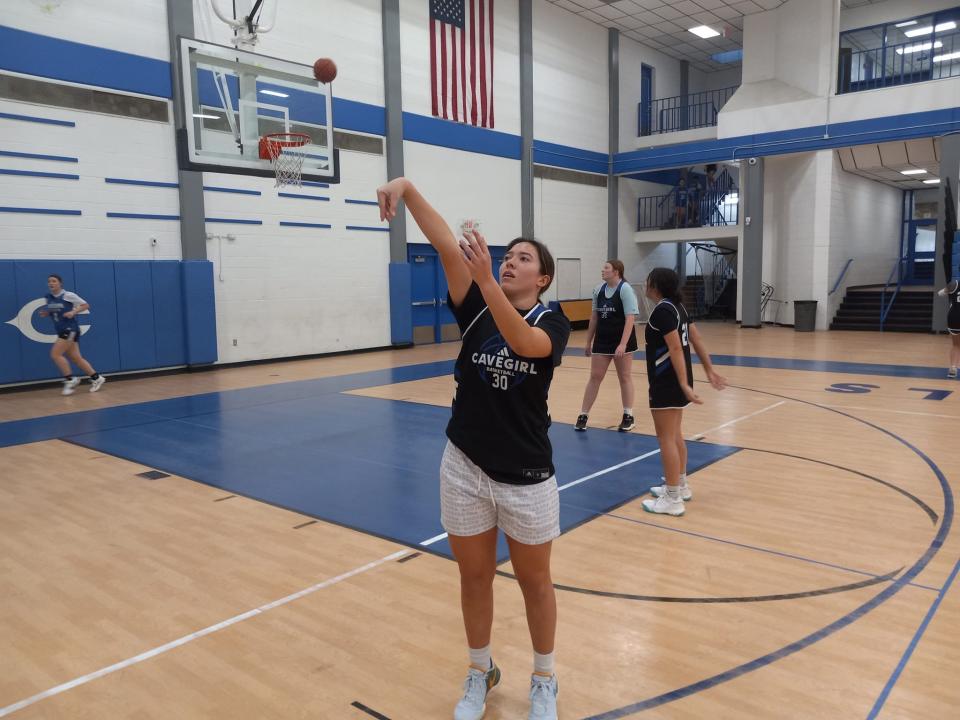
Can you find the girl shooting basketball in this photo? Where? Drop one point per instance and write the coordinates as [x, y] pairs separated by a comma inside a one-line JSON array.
[[497, 469]]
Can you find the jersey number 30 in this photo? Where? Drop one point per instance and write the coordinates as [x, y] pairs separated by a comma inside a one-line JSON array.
[[500, 382]]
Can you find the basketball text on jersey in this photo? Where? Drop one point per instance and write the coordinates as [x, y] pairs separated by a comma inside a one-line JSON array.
[[499, 367]]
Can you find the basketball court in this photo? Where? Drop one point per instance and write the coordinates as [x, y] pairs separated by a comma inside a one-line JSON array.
[[288, 558], [263, 540]]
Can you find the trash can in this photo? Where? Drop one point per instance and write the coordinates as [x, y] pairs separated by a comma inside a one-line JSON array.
[[804, 315]]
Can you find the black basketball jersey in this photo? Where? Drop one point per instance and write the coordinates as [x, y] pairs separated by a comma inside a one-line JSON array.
[[500, 417], [611, 318], [953, 292], [665, 318]]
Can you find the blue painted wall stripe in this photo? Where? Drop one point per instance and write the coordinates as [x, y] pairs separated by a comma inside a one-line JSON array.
[[565, 156], [446, 133], [234, 221], [238, 191], [39, 211], [141, 216], [807, 139], [35, 156], [35, 173], [361, 202], [310, 183], [32, 118], [303, 197], [371, 229], [58, 59], [290, 223], [147, 183]]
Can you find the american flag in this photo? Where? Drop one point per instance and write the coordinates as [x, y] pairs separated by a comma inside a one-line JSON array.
[[461, 61]]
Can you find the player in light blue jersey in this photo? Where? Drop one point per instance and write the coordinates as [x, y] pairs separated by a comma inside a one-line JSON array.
[[63, 307]]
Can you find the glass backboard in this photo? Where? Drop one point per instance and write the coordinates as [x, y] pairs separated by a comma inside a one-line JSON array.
[[234, 98]]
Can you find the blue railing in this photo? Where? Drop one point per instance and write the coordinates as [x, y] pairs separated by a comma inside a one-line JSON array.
[[677, 113], [919, 60], [884, 306], [843, 273]]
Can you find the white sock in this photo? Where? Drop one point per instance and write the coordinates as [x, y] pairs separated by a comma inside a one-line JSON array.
[[673, 492], [683, 479], [480, 657], [628, 411], [543, 664]]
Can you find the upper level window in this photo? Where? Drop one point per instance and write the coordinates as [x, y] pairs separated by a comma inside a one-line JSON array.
[[926, 47]]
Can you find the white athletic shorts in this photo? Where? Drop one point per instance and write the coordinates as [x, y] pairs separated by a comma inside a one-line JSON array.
[[471, 502]]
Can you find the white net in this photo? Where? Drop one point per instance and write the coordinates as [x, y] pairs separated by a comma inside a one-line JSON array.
[[287, 153]]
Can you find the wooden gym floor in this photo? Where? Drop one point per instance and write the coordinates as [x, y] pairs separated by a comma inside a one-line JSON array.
[[812, 576]]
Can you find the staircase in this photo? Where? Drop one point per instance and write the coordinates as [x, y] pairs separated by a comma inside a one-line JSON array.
[[860, 310], [693, 296]]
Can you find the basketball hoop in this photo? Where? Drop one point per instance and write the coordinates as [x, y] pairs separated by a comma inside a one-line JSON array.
[[285, 151]]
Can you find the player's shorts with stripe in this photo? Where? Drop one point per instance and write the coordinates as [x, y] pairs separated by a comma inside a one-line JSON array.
[[953, 319]]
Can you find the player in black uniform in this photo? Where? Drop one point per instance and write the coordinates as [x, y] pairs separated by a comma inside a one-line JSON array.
[[669, 334], [497, 469], [611, 336], [952, 290]]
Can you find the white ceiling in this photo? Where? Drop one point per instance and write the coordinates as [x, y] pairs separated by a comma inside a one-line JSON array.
[[884, 162], [664, 24]]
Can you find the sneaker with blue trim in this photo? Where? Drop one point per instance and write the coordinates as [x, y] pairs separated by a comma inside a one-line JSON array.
[[543, 697], [478, 684]]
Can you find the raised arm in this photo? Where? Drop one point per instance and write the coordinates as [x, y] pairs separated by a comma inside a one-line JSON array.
[[433, 226], [718, 381]]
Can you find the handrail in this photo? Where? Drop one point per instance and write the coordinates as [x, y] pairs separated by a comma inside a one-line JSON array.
[[884, 311], [671, 114], [840, 279]]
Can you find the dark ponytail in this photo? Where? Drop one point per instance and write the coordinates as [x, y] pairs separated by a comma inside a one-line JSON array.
[[666, 282]]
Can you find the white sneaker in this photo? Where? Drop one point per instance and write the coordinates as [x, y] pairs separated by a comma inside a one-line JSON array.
[[69, 386], [473, 704], [664, 505], [952, 372], [97, 384], [543, 697], [660, 490]]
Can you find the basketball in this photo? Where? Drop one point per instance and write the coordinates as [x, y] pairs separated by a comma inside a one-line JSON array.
[[325, 70]]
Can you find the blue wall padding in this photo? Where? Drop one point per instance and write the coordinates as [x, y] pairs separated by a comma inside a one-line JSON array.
[[401, 311], [135, 326], [200, 315], [143, 315], [168, 313]]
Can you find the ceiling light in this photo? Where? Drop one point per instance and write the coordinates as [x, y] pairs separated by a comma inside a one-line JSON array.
[[279, 94], [934, 181], [913, 172], [906, 24], [919, 47], [948, 56], [942, 27], [204, 115], [704, 32]]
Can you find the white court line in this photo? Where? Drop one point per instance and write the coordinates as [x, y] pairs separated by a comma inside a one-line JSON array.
[[701, 435], [195, 635]]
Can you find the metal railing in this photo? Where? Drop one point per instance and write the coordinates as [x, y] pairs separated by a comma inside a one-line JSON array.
[[919, 60], [884, 306], [843, 272], [676, 113], [710, 208]]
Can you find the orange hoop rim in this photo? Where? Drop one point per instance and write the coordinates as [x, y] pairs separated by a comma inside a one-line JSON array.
[[287, 139]]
